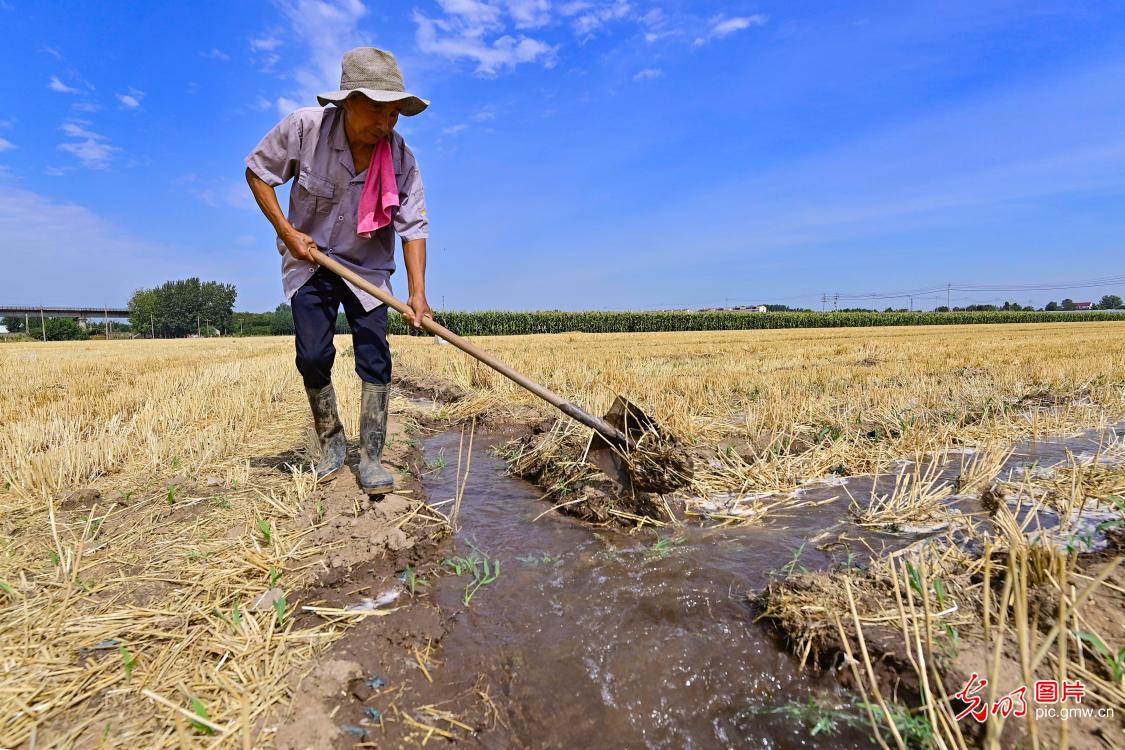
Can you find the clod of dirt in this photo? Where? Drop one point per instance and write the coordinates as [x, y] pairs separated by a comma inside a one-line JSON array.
[[436, 387], [81, 499], [553, 461], [311, 725]]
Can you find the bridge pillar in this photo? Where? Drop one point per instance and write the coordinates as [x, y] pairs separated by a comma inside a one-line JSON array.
[[82, 322]]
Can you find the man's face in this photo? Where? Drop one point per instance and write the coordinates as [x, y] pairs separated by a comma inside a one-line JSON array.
[[369, 122]]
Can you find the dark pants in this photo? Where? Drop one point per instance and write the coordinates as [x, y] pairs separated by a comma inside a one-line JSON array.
[[315, 307]]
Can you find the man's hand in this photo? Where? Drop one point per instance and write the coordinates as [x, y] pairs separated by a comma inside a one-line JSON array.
[[420, 308], [299, 244]]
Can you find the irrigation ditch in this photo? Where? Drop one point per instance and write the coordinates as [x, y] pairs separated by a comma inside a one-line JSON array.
[[535, 628]]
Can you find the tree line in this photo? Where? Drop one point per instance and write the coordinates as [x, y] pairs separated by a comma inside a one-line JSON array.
[[182, 308]]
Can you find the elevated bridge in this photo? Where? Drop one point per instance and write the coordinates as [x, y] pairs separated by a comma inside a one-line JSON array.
[[81, 314]]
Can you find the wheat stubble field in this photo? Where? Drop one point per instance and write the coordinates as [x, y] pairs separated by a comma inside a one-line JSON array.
[[142, 509]]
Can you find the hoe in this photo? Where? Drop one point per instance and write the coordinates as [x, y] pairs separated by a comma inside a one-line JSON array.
[[627, 444]]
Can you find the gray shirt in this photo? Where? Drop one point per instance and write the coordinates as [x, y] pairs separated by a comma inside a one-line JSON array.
[[311, 144]]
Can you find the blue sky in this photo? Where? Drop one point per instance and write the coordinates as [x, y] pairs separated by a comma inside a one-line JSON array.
[[585, 153]]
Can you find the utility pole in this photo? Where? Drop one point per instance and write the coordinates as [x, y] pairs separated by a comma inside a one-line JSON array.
[[43, 323], [106, 311], [836, 302], [947, 288], [198, 330], [26, 323], [152, 325], [823, 301]]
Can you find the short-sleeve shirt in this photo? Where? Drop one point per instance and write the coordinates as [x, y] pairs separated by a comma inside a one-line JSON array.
[[311, 145]]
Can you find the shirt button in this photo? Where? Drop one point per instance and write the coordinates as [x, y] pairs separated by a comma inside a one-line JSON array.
[[339, 218]]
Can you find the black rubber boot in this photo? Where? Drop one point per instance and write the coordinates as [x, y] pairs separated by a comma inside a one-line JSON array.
[[329, 432], [373, 478]]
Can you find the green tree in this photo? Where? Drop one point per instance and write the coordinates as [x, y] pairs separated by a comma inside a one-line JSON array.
[[142, 310], [64, 329], [1052, 306], [181, 308], [282, 323], [217, 305], [13, 323], [1067, 304], [1109, 302]]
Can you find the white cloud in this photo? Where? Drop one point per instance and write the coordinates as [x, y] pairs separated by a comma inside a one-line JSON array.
[[56, 85], [215, 54], [93, 154], [92, 149], [6, 145], [52, 52], [491, 33], [721, 26], [589, 19], [264, 51], [484, 116], [326, 29], [529, 13], [86, 107], [132, 100], [52, 171], [461, 35], [647, 74], [76, 129], [265, 44], [455, 129]]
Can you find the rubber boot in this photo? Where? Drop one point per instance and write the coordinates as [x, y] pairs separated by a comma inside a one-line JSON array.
[[373, 478], [329, 432]]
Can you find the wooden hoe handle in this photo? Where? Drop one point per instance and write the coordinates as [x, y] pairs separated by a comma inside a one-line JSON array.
[[567, 408]]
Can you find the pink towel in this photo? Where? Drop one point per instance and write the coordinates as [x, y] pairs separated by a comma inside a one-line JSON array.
[[380, 192]]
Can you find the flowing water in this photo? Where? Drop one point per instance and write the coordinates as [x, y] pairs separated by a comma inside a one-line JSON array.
[[601, 638]]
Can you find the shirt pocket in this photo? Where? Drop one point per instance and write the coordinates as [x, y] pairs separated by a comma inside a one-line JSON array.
[[320, 192]]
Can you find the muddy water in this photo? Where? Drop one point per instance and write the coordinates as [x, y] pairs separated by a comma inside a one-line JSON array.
[[599, 638], [606, 639]]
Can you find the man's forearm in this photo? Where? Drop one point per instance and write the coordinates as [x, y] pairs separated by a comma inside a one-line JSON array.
[[266, 199], [414, 253]]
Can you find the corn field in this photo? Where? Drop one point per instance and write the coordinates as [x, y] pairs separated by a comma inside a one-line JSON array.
[[503, 323]]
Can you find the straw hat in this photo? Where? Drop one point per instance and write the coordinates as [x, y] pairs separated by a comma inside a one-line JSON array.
[[375, 74]]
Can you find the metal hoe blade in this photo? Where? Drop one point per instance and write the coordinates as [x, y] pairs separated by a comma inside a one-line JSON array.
[[612, 457]]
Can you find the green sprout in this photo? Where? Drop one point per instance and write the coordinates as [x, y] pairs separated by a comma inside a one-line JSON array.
[[128, 661], [478, 566], [201, 711]]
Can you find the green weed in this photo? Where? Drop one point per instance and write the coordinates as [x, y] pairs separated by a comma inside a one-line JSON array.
[[201, 711], [478, 566], [410, 578], [664, 545], [279, 606], [128, 661], [266, 530], [794, 564], [1114, 662]]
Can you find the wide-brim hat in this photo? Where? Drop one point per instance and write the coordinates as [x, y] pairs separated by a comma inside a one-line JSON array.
[[375, 74]]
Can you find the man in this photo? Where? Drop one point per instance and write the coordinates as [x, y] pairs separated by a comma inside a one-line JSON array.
[[329, 151]]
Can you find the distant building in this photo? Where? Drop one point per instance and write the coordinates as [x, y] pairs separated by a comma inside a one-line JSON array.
[[738, 308], [1083, 305]]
